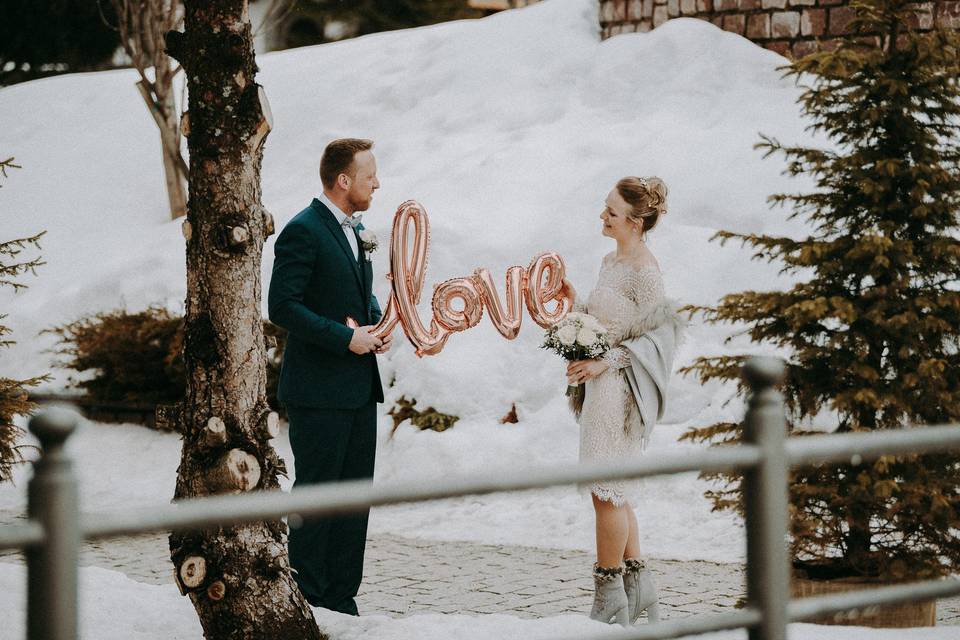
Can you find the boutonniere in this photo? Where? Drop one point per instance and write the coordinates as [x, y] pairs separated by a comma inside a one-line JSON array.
[[368, 239]]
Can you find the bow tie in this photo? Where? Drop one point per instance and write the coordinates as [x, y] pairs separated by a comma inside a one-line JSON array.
[[352, 221]]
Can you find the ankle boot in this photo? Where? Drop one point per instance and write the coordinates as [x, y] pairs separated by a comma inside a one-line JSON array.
[[641, 590], [609, 598]]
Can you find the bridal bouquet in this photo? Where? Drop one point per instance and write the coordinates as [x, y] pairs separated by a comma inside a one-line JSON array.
[[579, 336]]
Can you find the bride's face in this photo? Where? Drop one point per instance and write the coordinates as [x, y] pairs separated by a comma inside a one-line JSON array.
[[616, 223]]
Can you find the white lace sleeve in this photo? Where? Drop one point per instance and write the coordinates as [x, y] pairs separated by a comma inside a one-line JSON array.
[[617, 358]]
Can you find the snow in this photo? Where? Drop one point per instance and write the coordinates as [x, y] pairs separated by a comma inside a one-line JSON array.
[[109, 461], [510, 135], [114, 607], [510, 130], [510, 141]]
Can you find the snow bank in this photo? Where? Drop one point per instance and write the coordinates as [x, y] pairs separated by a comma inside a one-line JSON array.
[[511, 133]]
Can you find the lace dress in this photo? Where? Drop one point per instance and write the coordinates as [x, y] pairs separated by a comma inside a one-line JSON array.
[[623, 295]]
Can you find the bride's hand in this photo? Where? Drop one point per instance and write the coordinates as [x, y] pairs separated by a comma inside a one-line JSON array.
[[567, 290], [579, 371]]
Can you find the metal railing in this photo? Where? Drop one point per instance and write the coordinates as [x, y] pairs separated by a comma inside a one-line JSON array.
[[54, 530]]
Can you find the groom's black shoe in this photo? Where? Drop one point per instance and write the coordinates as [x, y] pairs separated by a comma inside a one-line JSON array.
[[348, 606]]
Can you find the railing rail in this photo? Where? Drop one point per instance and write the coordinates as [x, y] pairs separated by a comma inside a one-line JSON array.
[[52, 534]]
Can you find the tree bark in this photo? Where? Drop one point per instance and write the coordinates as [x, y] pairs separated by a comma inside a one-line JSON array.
[[142, 25], [174, 169], [246, 591]]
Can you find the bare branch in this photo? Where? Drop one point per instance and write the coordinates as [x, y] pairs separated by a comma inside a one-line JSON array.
[[7, 164]]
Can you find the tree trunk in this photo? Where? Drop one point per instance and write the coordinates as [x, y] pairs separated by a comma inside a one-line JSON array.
[[142, 25], [173, 168], [238, 578]]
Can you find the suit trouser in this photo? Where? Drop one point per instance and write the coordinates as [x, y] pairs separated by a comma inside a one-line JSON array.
[[327, 553]]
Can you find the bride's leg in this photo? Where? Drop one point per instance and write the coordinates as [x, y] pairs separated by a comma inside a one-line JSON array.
[[638, 580], [610, 601], [632, 549], [612, 532]]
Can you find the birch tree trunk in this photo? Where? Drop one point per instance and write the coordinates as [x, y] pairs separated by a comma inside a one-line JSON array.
[[174, 168], [238, 577], [142, 25]]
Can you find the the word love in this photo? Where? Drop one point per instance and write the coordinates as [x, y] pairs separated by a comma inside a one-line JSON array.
[[539, 285]]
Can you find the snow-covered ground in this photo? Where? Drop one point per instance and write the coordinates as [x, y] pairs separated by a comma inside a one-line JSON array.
[[114, 607], [510, 130], [511, 135], [125, 466]]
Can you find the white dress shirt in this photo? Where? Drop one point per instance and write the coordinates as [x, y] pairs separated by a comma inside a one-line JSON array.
[[341, 216]]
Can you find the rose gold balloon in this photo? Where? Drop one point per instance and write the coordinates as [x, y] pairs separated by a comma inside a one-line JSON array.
[[388, 321], [408, 264], [507, 321], [545, 284], [539, 284], [451, 319]]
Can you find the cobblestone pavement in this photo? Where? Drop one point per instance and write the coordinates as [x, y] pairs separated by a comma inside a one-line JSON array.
[[404, 575]]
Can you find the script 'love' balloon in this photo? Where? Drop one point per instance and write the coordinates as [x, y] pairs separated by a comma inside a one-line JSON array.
[[540, 284], [409, 267], [506, 320], [464, 289], [388, 321], [545, 284]]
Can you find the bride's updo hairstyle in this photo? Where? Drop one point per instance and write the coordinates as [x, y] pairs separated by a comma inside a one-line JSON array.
[[647, 198]]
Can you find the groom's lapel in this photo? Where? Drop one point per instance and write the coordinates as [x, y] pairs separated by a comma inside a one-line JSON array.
[[331, 221], [362, 261]]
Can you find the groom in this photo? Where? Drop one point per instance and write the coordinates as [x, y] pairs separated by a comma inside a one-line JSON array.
[[329, 381]]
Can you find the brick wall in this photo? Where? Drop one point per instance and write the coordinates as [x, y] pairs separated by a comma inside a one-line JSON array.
[[791, 27]]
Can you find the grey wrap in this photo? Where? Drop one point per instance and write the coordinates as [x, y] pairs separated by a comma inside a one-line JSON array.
[[651, 342]]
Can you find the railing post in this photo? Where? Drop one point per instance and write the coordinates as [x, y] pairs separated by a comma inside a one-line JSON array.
[[765, 496], [52, 566]]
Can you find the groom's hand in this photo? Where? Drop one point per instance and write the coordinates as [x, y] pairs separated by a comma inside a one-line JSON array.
[[385, 345], [362, 342]]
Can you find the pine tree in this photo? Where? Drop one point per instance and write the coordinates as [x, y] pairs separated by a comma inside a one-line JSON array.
[[13, 393], [873, 323]]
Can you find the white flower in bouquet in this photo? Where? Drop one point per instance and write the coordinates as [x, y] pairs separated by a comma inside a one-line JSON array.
[[578, 336], [586, 337], [594, 325], [567, 334]]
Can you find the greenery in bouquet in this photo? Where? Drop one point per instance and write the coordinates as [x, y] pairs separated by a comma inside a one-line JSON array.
[[579, 336]]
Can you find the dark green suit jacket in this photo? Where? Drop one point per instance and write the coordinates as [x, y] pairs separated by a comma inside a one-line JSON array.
[[316, 284]]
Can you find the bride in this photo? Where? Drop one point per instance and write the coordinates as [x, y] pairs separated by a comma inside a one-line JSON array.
[[621, 395]]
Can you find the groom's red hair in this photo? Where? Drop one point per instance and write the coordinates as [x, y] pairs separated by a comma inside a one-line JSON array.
[[338, 158]]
